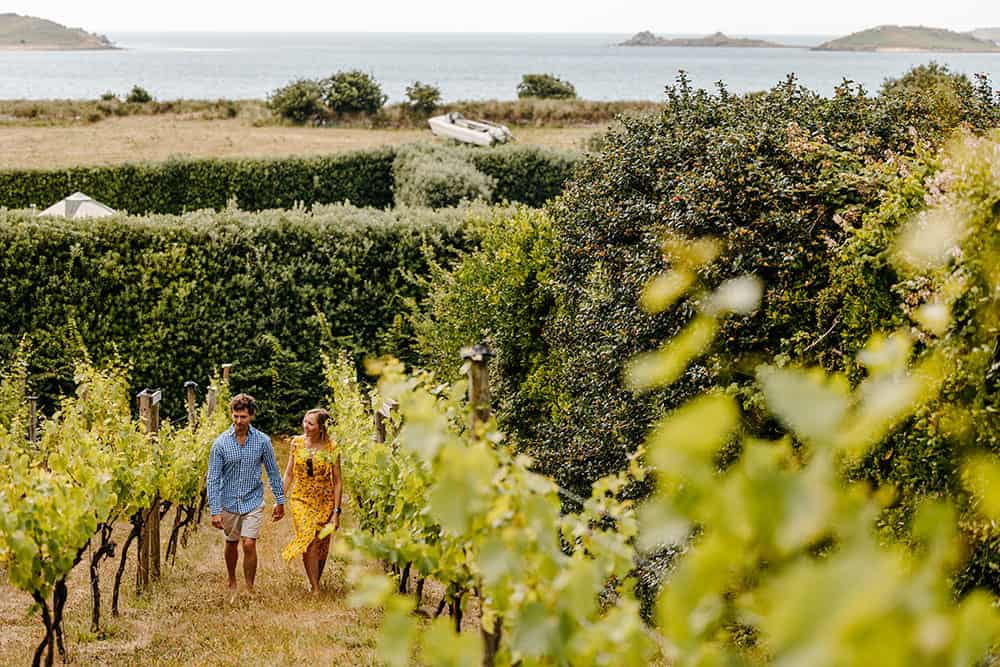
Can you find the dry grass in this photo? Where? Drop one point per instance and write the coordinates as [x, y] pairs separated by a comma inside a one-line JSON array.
[[187, 620], [138, 138]]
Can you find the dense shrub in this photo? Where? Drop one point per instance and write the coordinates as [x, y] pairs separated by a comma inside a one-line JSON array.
[[780, 178], [526, 174], [352, 91], [437, 177], [545, 86], [523, 174], [931, 98], [299, 101], [870, 289], [138, 95], [179, 295], [422, 98], [498, 295]]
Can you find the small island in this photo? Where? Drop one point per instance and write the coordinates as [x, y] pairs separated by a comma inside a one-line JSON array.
[[989, 34], [29, 33], [890, 38], [647, 38]]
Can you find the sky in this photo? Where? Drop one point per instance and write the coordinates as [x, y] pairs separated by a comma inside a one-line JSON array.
[[736, 17]]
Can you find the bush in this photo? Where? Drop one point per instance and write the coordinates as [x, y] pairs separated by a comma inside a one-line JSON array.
[[179, 295], [437, 177], [781, 179], [545, 86], [499, 294], [299, 101], [138, 95], [352, 91], [871, 289], [422, 98], [109, 96], [526, 174]]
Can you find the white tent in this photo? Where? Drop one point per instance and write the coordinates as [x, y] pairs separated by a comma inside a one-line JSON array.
[[78, 205]]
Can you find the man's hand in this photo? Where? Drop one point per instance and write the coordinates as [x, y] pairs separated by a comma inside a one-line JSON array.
[[217, 521], [278, 513]]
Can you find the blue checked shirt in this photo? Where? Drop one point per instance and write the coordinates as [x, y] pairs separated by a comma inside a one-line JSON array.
[[233, 482]]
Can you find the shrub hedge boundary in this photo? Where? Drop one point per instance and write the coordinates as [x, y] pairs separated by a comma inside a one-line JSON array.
[[525, 174], [178, 295]]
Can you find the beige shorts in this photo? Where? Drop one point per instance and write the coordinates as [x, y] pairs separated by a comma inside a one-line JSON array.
[[235, 526]]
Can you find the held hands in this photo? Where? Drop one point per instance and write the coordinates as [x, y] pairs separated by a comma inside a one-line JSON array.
[[217, 521], [278, 513]]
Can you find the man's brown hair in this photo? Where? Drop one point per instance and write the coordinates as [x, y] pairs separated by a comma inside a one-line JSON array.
[[244, 402]]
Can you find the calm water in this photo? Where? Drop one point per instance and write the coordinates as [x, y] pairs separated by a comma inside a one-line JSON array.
[[463, 66]]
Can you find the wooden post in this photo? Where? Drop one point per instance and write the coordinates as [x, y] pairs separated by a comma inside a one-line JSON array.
[[149, 540], [382, 415], [225, 373], [192, 409], [477, 358], [32, 419], [211, 399], [142, 568]]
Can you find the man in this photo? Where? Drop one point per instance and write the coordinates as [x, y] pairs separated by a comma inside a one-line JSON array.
[[234, 488]]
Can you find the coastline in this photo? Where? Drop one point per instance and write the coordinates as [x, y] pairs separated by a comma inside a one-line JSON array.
[[53, 47], [902, 49]]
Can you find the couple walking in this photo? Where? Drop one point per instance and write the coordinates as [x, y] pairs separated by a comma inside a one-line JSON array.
[[236, 494]]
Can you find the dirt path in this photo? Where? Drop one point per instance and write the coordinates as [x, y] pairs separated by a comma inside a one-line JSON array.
[[136, 138]]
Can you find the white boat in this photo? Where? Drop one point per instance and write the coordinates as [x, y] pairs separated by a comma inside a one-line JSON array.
[[454, 125]]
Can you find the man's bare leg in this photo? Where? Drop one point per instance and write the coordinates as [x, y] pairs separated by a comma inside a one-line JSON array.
[[232, 555], [249, 561]]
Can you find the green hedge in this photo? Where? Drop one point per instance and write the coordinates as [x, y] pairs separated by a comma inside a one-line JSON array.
[[179, 295], [527, 175]]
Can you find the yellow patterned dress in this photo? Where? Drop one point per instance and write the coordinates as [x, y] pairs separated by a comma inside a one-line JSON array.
[[312, 498]]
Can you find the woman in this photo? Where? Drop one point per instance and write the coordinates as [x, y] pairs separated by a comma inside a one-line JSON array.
[[314, 487]]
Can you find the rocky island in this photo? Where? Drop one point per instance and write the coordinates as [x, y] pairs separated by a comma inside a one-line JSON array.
[[889, 38], [647, 38], [24, 33]]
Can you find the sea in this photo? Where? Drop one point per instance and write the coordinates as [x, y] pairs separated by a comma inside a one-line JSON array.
[[464, 66]]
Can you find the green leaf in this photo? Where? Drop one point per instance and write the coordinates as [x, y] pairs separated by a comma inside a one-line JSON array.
[[443, 648], [662, 367], [811, 403], [399, 628], [533, 633]]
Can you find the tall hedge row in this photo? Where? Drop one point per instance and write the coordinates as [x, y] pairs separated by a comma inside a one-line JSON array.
[[528, 175], [180, 295]]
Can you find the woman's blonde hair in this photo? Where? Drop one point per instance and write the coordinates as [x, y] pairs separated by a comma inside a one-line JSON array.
[[322, 417]]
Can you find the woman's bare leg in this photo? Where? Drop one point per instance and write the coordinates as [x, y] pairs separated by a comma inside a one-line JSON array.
[[324, 550], [310, 559]]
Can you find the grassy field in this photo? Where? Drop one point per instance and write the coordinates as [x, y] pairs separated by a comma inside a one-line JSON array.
[[136, 138], [187, 619]]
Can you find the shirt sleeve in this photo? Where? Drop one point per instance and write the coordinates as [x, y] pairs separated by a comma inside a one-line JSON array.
[[213, 479], [273, 475]]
